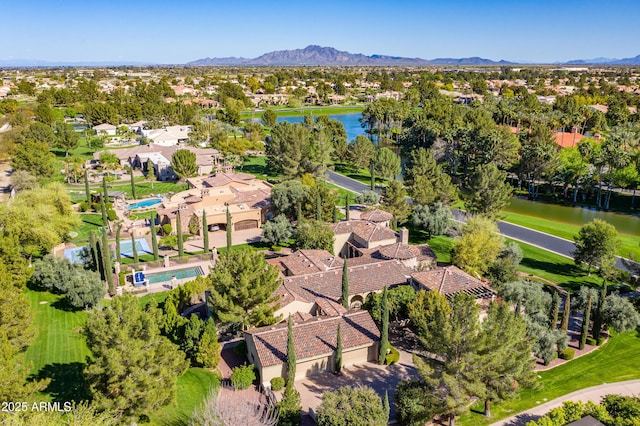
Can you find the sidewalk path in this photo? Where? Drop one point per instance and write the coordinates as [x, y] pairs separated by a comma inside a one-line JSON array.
[[595, 394]]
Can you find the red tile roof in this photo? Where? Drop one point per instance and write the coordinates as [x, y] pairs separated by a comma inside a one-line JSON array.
[[314, 338], [376, 216], [451, 280], [362, 279], [367, 231], [310, 261], [566, 139]]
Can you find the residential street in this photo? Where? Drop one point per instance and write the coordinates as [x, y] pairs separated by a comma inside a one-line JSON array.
[[540, 239], [595, 393]]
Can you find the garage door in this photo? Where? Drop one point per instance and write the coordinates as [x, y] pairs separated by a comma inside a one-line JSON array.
[[245, 224]]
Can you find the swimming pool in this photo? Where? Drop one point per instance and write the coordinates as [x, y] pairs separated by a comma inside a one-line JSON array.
[[144, 203], [166, 276], [78, 255], [142, 247]]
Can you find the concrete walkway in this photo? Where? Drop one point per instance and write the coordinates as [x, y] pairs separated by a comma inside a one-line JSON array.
[[595, 394]]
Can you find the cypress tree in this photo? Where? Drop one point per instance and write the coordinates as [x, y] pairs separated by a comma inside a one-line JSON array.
[[585, 322], [555, 307], [598, 317], [134, 249], [87, 191], [106, 262], [105, 191], [118, 254], [567, 311], [335, 214], [291, 355], [103, 210], [384, 334], [373, 176], [299, 213], [133, 184], [339, 350], [229, 241], [346, 207], [385, 402], [154, 237], [93, 246], [205, 232], [179, 234], [318, 208], [345, 285]]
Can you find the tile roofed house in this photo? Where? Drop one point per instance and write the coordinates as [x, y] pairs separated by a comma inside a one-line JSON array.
[[377, 216], [567, 140], [168, 136], [105, 128], [363, 280], [309, 261], [315, 345], [360, 233], [451, 280]]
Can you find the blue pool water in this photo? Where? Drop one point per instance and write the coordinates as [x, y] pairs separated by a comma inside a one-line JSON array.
[[142, 247], [161, 277], [351, 122], [144, 203], [77, 255]]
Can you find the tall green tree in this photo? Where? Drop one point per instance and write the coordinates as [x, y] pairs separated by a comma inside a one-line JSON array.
[[427, 181], [277, 231], [314, 235], [205, 232], [291, 354], [386, 163], [134, 249], [67, 138], [269, 118], [242, 289], [133, 370], [347, 208], [338, 358], [229, 230], [564, 326], [433, 219], [506, 361], [106, 262], [596, 245], [384, 333], [598, 317], [208, 349], [361, 152], [555, 307], [477, 247], [586, 319], [450, 333], [118, 231], [133, 183], [489, 191], [395, 202], [35, 158], [345, 284], [87, 191], [179, 234], [183, 163], [154, 236]]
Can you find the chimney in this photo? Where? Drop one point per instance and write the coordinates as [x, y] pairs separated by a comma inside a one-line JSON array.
[[574, 129], [404, 236]]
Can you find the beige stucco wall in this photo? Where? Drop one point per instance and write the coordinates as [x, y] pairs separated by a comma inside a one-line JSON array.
[[293, 307], [338, 244]]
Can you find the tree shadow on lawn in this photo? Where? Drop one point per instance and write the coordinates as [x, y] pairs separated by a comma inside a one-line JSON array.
[[64, 305], [567, 270], [67, 382]]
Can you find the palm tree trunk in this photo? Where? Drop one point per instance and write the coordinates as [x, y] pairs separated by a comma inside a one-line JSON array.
[[487, 407]]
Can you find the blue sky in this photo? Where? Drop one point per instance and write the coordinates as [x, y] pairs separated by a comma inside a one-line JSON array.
[[176, 32]]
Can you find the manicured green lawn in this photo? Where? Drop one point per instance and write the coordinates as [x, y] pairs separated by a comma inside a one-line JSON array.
[[59, 351], [257, 166], [616, 361], [90, 222], [193, 387], [628, 243], [144, 189]]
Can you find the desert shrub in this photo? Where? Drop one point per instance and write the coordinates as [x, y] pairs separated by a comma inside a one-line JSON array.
[[567, 354], [591, 341], [84, 206], [167, 229], [111, 214], [242, 377], [277, 383], [392, 357]]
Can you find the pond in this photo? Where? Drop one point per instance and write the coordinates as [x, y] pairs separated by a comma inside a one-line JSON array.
[[626, 224]]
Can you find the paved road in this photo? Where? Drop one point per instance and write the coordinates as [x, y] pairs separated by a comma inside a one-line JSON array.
[[535, 238], [595, 394]]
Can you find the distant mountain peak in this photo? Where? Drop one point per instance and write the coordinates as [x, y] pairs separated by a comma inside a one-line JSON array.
[[315, 55]]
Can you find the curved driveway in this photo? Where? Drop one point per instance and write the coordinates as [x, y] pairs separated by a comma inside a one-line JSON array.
[[526, 235]]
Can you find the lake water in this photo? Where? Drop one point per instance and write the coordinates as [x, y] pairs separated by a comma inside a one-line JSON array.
[[350, 121], [625, 224]]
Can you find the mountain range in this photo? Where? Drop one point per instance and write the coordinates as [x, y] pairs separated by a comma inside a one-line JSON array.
[[328, 56]]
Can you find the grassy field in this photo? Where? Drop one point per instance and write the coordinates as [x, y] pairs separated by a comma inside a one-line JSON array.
[[145, 189], [616, 361], [90, 222], [628, 243], [59, 353], [318, 110]]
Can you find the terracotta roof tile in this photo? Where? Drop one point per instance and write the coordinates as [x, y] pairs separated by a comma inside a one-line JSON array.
[[364, 229], [376, 215], [451, 280], [314, 338], [310, 261]]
